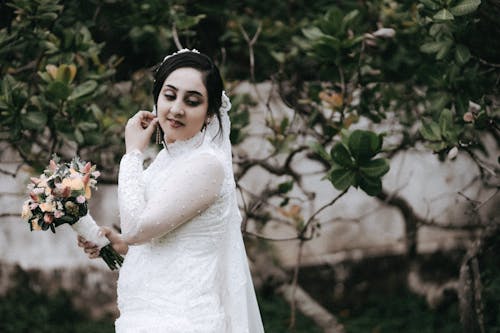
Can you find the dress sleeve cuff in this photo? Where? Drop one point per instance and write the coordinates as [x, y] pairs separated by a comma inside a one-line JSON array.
[[135, 154]]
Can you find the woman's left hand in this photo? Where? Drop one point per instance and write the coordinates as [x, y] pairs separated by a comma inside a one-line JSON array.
[[139, 130]]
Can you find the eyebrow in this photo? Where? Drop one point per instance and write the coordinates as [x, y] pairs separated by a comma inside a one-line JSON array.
[[194, 92]]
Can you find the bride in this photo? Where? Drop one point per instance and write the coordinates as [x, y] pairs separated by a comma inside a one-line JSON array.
[[185, 268]]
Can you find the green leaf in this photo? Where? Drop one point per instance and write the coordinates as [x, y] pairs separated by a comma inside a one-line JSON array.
[[57, 90], [443, 15], [349, 18], [320, 150], [34, 120], [278, 56], [341, 155], [445, 48], [430, 4], [431, 47], [465, 7], [96, 111], [438, 101], [284, 125], [372, 186], [363, 145], [375, 168], [437, 146], [482, 121], [285, 187], [79, 136], [430, 131], [86, 126], [342, 178], [47, 16], [83, 90], [446, 125], [313, 33], [462, 54]]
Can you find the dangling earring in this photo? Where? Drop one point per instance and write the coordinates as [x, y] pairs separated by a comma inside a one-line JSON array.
[[158, 131], [158, 135], [206, 123]]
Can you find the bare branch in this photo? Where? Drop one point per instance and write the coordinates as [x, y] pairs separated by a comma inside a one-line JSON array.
[[176, 37], [334, 200], [259, 236], [251, 43], [10, 215], [8, 173], [312, 309]]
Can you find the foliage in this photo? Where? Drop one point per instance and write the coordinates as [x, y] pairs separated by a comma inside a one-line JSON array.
[[403, 312], [352, 164], [52, 79], [24, 309], [72, 72], [275, 316]]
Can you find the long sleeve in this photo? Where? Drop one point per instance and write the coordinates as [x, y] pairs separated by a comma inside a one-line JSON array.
[[191, 187]]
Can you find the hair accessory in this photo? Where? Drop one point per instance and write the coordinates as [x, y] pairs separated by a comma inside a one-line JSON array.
[[173, 54], [180, 51], [225, 105]]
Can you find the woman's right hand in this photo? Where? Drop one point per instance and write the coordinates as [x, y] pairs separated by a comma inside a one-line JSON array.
[[92, 250], [139, 130]]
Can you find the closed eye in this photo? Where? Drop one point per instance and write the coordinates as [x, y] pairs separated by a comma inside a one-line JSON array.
[[170, 97], [192, 103]]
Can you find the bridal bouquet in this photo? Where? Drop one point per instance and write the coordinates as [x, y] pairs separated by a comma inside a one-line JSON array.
[[60, 195]]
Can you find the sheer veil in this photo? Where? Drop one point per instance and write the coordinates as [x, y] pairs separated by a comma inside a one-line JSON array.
[[238, 294]]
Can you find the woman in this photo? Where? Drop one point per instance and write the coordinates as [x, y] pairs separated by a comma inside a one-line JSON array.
[[185, 268]]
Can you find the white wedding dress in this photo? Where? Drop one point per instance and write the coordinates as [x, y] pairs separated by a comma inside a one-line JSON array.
[[187, 271]]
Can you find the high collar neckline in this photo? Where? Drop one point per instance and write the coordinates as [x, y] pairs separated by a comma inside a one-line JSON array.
[[179, 147]]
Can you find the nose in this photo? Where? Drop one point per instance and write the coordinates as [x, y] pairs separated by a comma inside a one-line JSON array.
[[177, 109]]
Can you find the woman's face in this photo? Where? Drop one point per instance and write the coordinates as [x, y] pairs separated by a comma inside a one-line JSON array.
[[182, 104]]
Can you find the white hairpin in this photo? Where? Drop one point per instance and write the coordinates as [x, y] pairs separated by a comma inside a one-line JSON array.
[[180, 51]]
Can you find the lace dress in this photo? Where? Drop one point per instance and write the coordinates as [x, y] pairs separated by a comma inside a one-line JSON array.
[[187, 271]]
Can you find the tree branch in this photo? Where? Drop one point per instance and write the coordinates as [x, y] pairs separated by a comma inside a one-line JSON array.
[[176, 37], [251, 43]]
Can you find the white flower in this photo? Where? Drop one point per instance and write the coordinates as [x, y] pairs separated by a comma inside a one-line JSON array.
[[452, 154], [474, 107], [225, 103], [385, 33]]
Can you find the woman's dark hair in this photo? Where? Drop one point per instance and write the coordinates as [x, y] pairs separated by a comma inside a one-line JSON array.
[[210, 75]]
